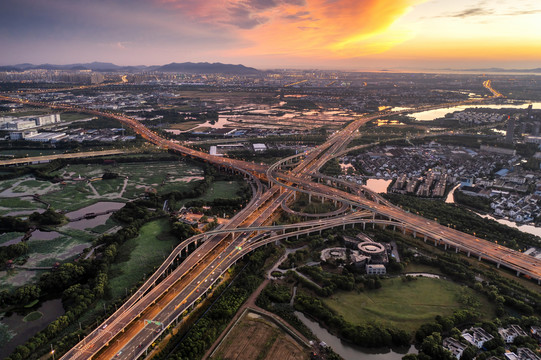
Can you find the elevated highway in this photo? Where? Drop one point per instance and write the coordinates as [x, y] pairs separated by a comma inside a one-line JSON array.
[[183, 278]]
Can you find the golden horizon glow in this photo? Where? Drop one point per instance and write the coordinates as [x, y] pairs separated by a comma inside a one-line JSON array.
[[278, 33]]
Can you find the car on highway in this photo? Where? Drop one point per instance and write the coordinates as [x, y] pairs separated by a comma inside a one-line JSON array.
[[119, 353]]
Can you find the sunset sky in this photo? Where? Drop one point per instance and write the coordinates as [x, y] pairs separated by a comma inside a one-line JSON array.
[[325, 34]]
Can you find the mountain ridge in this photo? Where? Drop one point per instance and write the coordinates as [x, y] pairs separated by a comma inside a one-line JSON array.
[[185, 67]]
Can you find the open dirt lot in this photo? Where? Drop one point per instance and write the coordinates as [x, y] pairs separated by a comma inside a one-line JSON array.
[[255, 337]]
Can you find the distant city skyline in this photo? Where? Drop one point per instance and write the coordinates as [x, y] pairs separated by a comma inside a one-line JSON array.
[[324, 34]]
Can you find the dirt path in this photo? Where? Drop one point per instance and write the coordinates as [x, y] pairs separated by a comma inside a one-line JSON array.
[[123, 188], [250, 304], [94, 190]]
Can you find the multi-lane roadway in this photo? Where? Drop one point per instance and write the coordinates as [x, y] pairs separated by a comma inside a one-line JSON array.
[[177, 285]]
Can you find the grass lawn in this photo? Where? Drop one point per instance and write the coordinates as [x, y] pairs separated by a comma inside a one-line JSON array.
[[221, 190], [140, 255], [404, 305]]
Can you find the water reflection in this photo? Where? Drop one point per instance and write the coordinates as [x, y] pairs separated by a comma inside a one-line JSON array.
[[530, 229], [98, 207], [430, 115], [349, 351], [25, 330], [378, 185]]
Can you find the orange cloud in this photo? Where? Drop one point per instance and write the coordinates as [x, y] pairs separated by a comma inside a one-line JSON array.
[[304, 28]]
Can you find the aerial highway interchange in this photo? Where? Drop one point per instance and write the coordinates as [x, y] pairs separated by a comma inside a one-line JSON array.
[[186, 276]]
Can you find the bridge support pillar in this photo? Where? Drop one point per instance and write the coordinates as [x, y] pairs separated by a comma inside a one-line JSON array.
[[480, 258], [394, 227], [294, 195], [343, 226], [445, 246], [335, 202], [384, 226], [322, 199], [498, 265], [319, 231], [404, 230], [364, 225], [353, 225], [414, 234], [373, 225], [309, 198], [468, 254], [518, 273], [456, 250], [424, 238]]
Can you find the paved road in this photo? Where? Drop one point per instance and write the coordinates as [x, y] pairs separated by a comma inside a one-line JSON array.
[[47, 158], [128, 333]]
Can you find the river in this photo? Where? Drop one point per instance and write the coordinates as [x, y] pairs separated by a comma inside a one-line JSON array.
[[350, 351], [529, 229], [430, 115]]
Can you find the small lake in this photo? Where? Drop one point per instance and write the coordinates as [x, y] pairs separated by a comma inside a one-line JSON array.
[[350, 351], [44, 235], [430, 115], [50, 309], [98, 207], [378, 185], [89, 223]]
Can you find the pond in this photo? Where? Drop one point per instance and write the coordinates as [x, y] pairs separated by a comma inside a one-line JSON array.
[[24, 330], [350, 351], [98, 207], [378, 185]]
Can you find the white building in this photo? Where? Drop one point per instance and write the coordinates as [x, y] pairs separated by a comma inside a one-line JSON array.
[[259, 147], [454, 346], [477, 336], [375, 269], [511, 332]]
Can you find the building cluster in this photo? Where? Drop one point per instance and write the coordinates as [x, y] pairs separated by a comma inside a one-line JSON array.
[[389, 162], [515, 195], [426, 170], [433, 184], [362, 252], [53, 76], [478, 117], [477, 337], [78, 135], [10, 123]]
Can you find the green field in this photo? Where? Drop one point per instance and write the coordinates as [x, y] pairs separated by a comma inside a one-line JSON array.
[[404, 305], [137, 177], [139, 256], [10, 205], [221, 190]]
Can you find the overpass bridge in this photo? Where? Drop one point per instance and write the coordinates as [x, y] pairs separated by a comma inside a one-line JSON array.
[[183, 278]]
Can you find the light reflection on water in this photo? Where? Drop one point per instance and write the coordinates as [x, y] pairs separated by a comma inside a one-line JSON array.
[[349, 351]]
